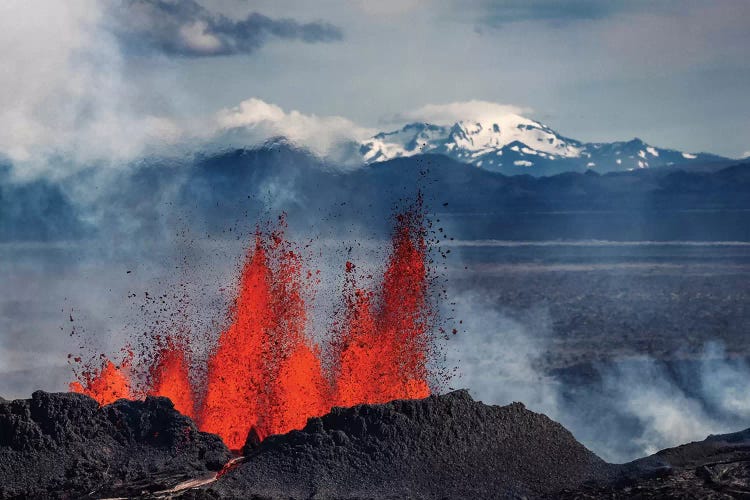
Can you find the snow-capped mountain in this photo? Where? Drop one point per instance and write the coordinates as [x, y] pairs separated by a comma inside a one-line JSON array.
[[513, 144]]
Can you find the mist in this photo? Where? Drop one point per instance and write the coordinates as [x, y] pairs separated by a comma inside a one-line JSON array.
[[622, 325], [625, 409]]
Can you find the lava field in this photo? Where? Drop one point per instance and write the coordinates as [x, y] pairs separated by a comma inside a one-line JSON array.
[[449, 446], [64, 445]]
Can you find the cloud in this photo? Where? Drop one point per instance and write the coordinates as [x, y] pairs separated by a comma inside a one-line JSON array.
[[187, 29], [494, 13], [447, 114], [255, 120], [75, 100], [68, 99], [697, 33]]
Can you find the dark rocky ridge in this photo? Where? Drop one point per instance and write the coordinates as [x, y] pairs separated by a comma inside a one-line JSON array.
[[453, 447], [715, 468], [440, 447], [67, 446]]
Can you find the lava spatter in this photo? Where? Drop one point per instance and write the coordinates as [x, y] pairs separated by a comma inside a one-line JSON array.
[[383, 349], [169, 376], [235, 384], [265, 372], [106, 384]]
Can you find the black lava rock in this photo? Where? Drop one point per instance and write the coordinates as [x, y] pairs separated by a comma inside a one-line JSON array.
[[67, 446], [440, 447], [715, 468]]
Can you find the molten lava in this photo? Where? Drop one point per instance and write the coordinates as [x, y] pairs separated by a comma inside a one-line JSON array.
[[297, 388], [106, 385], [382, 353], [169, 377], [266, 374], [235, 385]]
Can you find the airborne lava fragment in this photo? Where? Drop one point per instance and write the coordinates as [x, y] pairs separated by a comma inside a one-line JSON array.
[[265, 371]]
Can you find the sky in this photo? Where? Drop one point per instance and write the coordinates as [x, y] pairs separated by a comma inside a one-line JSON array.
[[87, 82]]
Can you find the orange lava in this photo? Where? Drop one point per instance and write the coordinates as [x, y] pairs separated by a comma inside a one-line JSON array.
[[266, 373], [106, 385], [169, 377], [235, 382], [383, 353], [296, 386]]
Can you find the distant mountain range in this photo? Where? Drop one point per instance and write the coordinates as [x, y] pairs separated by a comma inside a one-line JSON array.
[[511, 144], [218, 191]]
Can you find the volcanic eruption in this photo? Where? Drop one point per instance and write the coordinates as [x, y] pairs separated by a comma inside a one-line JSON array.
[[265, 372]]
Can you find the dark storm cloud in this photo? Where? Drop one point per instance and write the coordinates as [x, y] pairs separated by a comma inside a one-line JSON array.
[[187, 29]]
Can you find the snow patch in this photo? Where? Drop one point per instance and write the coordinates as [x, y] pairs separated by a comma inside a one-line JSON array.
[[488, 131]]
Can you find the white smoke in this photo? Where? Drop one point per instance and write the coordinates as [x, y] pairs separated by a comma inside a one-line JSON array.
[[635, 408], [498, 357], [67, 101]]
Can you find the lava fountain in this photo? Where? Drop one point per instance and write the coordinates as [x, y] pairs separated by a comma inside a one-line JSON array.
[[168, 375], [382, 351], [106, 385], [266, 374]]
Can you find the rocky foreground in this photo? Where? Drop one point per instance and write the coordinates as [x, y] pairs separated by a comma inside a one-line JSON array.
[[715, 468], [439, 447], [66, 446]]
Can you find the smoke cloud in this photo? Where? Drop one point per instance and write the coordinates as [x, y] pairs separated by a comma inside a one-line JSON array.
[[79, 97], [68, 101], [187, 29], [632, 407]]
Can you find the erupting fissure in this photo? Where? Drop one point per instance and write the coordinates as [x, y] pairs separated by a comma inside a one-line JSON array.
[[381, 353], [106, 385], [265, 373], [168, 376]]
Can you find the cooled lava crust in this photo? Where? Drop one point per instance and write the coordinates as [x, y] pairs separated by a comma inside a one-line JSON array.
[[65, 445], [439, 447], [450, 446]]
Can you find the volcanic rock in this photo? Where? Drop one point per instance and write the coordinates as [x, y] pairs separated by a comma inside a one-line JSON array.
[[439, 447], [67, 446], [715, 468]]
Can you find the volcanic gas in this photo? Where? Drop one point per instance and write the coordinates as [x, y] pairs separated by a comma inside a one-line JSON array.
[[266, 373]]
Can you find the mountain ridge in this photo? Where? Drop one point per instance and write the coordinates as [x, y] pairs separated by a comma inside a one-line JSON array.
[[512, 144]]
